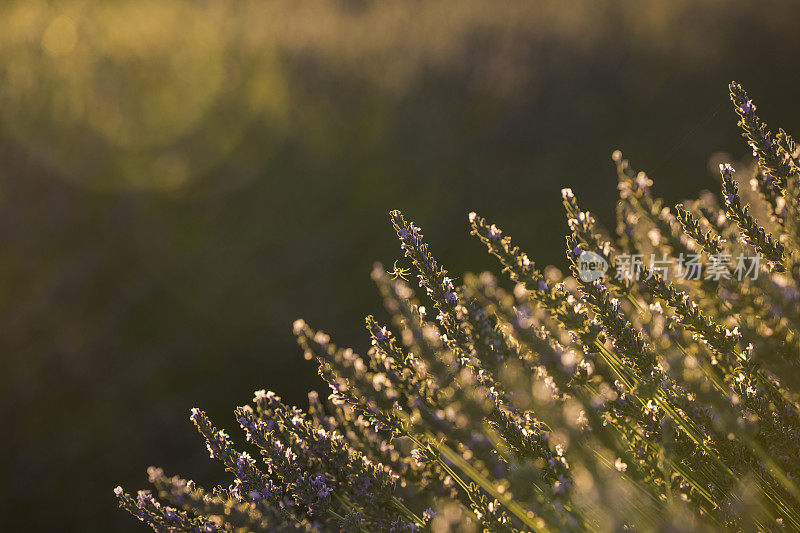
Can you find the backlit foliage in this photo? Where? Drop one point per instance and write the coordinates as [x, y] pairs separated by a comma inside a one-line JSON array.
[[646, 403]]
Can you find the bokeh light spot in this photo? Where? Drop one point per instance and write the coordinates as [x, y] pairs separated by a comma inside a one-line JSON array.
[[60, 37]]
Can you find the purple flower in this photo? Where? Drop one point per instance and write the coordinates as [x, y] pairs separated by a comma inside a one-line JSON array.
[[401, 526], [244, 460], [144, 497], [318, 484], [213, 449], [270, 491], [246, 424]]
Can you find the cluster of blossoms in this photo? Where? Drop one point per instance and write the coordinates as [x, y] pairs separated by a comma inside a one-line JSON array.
[[551, 403]]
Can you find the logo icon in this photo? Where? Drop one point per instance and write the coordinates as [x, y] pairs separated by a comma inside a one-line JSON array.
[[591, 266]]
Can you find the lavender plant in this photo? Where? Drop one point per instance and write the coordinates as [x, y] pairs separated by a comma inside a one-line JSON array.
[[649, 397]]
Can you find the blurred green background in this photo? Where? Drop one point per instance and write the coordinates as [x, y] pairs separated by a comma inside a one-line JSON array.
[[180, 180]]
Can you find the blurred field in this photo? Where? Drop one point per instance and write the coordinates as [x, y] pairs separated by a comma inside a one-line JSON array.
[[180, 180]]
